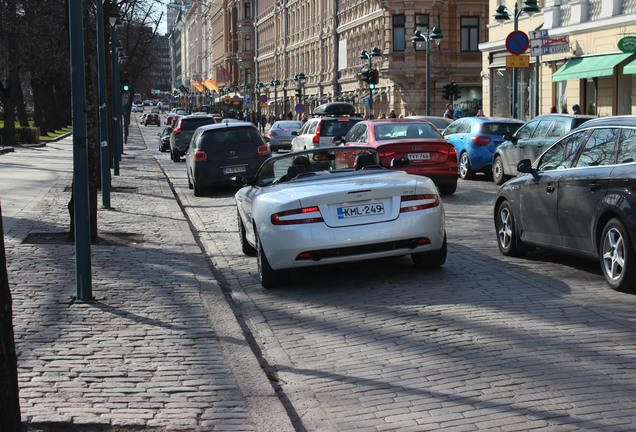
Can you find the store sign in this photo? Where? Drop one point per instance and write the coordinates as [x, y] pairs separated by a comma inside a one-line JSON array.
[[627, 44]]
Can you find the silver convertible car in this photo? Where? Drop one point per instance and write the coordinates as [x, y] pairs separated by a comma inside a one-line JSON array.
[[337, 204]]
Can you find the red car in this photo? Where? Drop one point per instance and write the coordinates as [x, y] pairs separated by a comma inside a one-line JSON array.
[[428, 152]]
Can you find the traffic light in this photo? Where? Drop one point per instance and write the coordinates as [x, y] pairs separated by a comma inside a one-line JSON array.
[[365, 76], [372, 78], [456, 92], [447, 92], [125, 82], [299, 93]]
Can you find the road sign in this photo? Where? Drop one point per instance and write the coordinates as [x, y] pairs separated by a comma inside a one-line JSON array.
[[537, 50], [300, 108], [247, 102], [365, 102], [517, 42], [516, 61], [263, 98], [538, 34]]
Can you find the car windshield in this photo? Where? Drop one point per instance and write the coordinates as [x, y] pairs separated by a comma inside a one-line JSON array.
[[336, 127], [193, 123], [286, 125], [309, 163], [499, 128], [384, 132]]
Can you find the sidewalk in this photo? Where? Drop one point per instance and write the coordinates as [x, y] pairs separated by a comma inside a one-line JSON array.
[[159, 349]]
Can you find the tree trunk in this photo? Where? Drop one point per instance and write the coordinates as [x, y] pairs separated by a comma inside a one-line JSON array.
[[9, 396]]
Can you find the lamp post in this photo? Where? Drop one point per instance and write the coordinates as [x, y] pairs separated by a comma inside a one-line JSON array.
[[258, 87], [502, 14], [364, 55], [275, 83], [113, 18], [299, 78], [426, 36], [103, 114]]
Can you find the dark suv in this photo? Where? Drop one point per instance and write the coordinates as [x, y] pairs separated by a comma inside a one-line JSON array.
[[152, 119], [530, 140], [221, 151], [183, 131]]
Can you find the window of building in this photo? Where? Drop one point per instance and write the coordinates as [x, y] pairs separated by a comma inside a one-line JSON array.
[[399, 33], [248, 43], [248, 10], [469, 34], [248, 76], [421, 24]]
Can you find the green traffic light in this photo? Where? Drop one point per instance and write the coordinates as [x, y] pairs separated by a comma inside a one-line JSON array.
[[126, 88], [371, 86]]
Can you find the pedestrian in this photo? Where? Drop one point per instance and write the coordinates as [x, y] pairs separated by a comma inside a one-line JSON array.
[[576, 109], [413, 111], [480, 113], [553, 110], [392, 114], [383, 116], [457, 112], [449, 111]]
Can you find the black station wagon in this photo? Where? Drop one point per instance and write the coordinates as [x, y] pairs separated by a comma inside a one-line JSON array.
[[579, 197]]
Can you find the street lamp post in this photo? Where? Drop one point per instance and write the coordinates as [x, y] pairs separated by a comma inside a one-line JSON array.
[[258, 87], [103, 114], [426, 36], [275, 83], [300, 77], [502, 14], [368, 55]]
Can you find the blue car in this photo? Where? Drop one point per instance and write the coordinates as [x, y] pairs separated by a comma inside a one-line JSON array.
[[475, 139]]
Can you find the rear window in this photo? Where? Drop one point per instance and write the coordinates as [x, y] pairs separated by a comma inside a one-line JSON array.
[[286, 125], [335, 127], [498, 128], [405, 130], [192, 124], [243, 140]]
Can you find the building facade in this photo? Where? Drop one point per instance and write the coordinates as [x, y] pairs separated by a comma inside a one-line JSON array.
[[591, 70]]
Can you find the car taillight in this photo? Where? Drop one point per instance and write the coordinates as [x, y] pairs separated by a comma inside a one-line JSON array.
[[418, 202], [200, 156], [389, 154], [263, 150], [481, 140], [177, 131], [298, 216], [316, 137], [272, 133]]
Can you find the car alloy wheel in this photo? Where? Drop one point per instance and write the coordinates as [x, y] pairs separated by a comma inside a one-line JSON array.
[[617, 256], [247, 248], [498, 175], [507, 238], [267, 275], [465, 171]]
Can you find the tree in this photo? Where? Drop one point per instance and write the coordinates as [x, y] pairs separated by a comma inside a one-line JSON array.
[[9, 397]]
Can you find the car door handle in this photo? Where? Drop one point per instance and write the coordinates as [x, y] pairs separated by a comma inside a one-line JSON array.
[[549, 188], [594, 187]]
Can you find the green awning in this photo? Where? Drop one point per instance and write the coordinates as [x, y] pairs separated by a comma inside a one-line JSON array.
[[630, 68], [589, 67]]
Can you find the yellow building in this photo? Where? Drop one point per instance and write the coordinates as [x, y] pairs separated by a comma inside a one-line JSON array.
[[577, 58]]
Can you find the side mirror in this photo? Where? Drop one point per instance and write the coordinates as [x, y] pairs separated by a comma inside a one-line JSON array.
[[510, 137], [399, 162], [294, 133], [266, 139], [525, 166]]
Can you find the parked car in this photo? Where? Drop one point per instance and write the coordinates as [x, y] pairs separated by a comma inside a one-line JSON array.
[[475, 139], [441, 123], [169, 117], [142, 118], [221, 151], [183, 131], [294, 212], [164, 139], [428, 152], [578, 197], [152, 119], [280, 134], [530, 140], [330, 120]]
